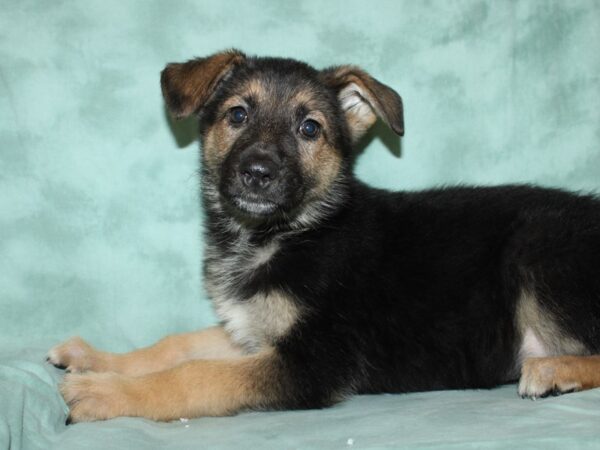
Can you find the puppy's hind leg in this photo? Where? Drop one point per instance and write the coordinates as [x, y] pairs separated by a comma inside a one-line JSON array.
[[557, 375], [558, 254], [76, 355]]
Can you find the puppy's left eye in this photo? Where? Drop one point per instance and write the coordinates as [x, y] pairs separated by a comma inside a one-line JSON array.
[[237, 115], [310, 128]]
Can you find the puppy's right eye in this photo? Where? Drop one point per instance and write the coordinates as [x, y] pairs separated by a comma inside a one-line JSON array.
[[237, 115]]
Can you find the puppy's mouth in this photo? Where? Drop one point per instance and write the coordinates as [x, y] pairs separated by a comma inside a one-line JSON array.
[[254, 205]]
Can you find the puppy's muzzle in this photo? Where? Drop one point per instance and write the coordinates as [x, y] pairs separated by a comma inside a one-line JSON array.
[[257, 184], [261, 182]]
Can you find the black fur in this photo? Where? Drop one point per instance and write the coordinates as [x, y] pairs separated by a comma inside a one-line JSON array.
[[407, 291]]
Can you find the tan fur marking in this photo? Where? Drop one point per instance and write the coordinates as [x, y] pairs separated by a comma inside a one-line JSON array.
[[220, 137], [256, 323], [530, 315], [560, 373], [323, 162], [193, 389], [318, 116], [211, 343], [217, 143], [303, 97], [319, 159], [254, 87]]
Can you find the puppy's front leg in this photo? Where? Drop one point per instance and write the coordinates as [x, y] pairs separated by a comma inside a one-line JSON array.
[[193, 389], [212, 343]]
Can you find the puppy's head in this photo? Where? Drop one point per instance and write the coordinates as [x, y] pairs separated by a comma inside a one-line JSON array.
[[276, 133]]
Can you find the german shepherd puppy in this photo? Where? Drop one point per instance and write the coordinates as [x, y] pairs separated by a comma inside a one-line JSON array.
[[327, 287]]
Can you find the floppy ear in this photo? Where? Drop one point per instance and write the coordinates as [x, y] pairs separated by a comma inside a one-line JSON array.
[[363, 98], [188, 86]]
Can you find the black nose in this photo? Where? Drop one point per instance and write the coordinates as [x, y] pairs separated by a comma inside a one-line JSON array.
[[258, 173]]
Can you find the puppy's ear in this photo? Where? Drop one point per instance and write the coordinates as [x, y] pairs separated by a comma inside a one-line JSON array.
[[363, 98], [188, 86]]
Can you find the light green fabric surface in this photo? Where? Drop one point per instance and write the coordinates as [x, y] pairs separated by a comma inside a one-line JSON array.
[[99, 214], [32, 417]]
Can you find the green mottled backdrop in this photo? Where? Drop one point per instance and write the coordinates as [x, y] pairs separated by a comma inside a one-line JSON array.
[[100, 225]]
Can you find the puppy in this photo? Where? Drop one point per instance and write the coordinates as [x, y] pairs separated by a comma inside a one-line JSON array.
[[326, 287]]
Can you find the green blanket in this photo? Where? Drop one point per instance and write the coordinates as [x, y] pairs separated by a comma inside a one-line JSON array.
[[100, 223], [33, 417]]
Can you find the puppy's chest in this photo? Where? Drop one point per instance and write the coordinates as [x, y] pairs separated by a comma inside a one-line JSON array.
[[254, 322]]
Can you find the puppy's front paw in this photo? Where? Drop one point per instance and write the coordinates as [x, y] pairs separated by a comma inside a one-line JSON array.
[[541, 377], [97, 396], [75, 355]]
